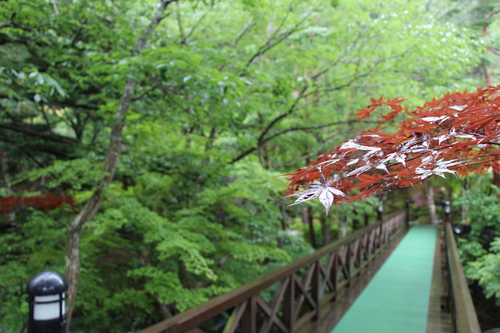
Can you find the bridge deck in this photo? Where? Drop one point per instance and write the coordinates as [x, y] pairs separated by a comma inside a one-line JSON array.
[[403, 295], [397, 299]]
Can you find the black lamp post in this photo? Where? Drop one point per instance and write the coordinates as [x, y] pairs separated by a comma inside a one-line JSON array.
[[407, 209], [46, 294], [380, 210]]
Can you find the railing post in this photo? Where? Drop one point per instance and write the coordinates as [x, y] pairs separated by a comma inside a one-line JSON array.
[[288, 301], [316, 296], [334, 273], [359, 252], [407, 217], [249, 318], [349, 263]]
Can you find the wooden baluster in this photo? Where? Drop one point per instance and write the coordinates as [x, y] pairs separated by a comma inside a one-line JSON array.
[[288, 308], [235, 317], [371, 244], [353, 255], [349, 263], [359, 258], [249, 318], [407, 215], [386, 231], [334, 273], [315, 286], [379, 236]]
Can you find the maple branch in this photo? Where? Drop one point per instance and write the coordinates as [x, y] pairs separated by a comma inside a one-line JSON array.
[[306, 157], [242, 33], [146, 92], [348, 84], [52, 137], [342, 56], [179, 21], [301, 95], [5, 24], [11, 23], [453, 133], [184, 41], [306, 128], [270, 43], [262, 141]]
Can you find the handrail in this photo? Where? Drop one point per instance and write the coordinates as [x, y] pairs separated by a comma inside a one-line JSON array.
[[299, 296], [464, 318]]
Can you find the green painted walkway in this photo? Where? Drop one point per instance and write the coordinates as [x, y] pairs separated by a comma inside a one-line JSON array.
[[397, 299]]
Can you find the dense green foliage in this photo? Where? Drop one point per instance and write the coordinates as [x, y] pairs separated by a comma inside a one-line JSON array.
[[229, 95], [479, 247]]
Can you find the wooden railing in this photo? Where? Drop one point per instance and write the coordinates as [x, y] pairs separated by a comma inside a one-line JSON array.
[[302, 287], [463, 314]]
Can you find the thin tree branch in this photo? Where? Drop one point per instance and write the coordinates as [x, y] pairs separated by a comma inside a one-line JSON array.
[[295, 102], [14, 24], [49, 126], [345, 85], [141, 95], [306, 128], [270, 43], [193, 28], [242, 33], [51, 137], [5, 24], [262, 138], [179, 21]]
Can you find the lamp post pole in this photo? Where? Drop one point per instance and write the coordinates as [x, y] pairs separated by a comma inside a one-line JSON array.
[[46, 297], [380, 210], [407, 209]]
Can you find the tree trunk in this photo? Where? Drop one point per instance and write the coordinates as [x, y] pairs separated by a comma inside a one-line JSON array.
[[429, 192], [72, 266], [342, 227], [11, 217], [355, 221], [307, 219], [465, 208], [183, 274], [326, 231]]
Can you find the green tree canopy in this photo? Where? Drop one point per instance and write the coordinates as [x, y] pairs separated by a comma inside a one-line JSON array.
[[204, 103]]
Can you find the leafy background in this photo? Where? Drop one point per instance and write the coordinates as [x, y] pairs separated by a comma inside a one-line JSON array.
[[230, 95]]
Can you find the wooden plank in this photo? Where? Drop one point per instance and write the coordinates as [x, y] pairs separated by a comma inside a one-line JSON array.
[[465, 318], [273, 314], [233, 321]]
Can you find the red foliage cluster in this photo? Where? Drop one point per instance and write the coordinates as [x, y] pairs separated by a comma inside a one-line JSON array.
[[44, 202], [458, 133]]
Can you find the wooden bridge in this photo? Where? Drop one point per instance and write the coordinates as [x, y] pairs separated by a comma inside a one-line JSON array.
[[387, 277]]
